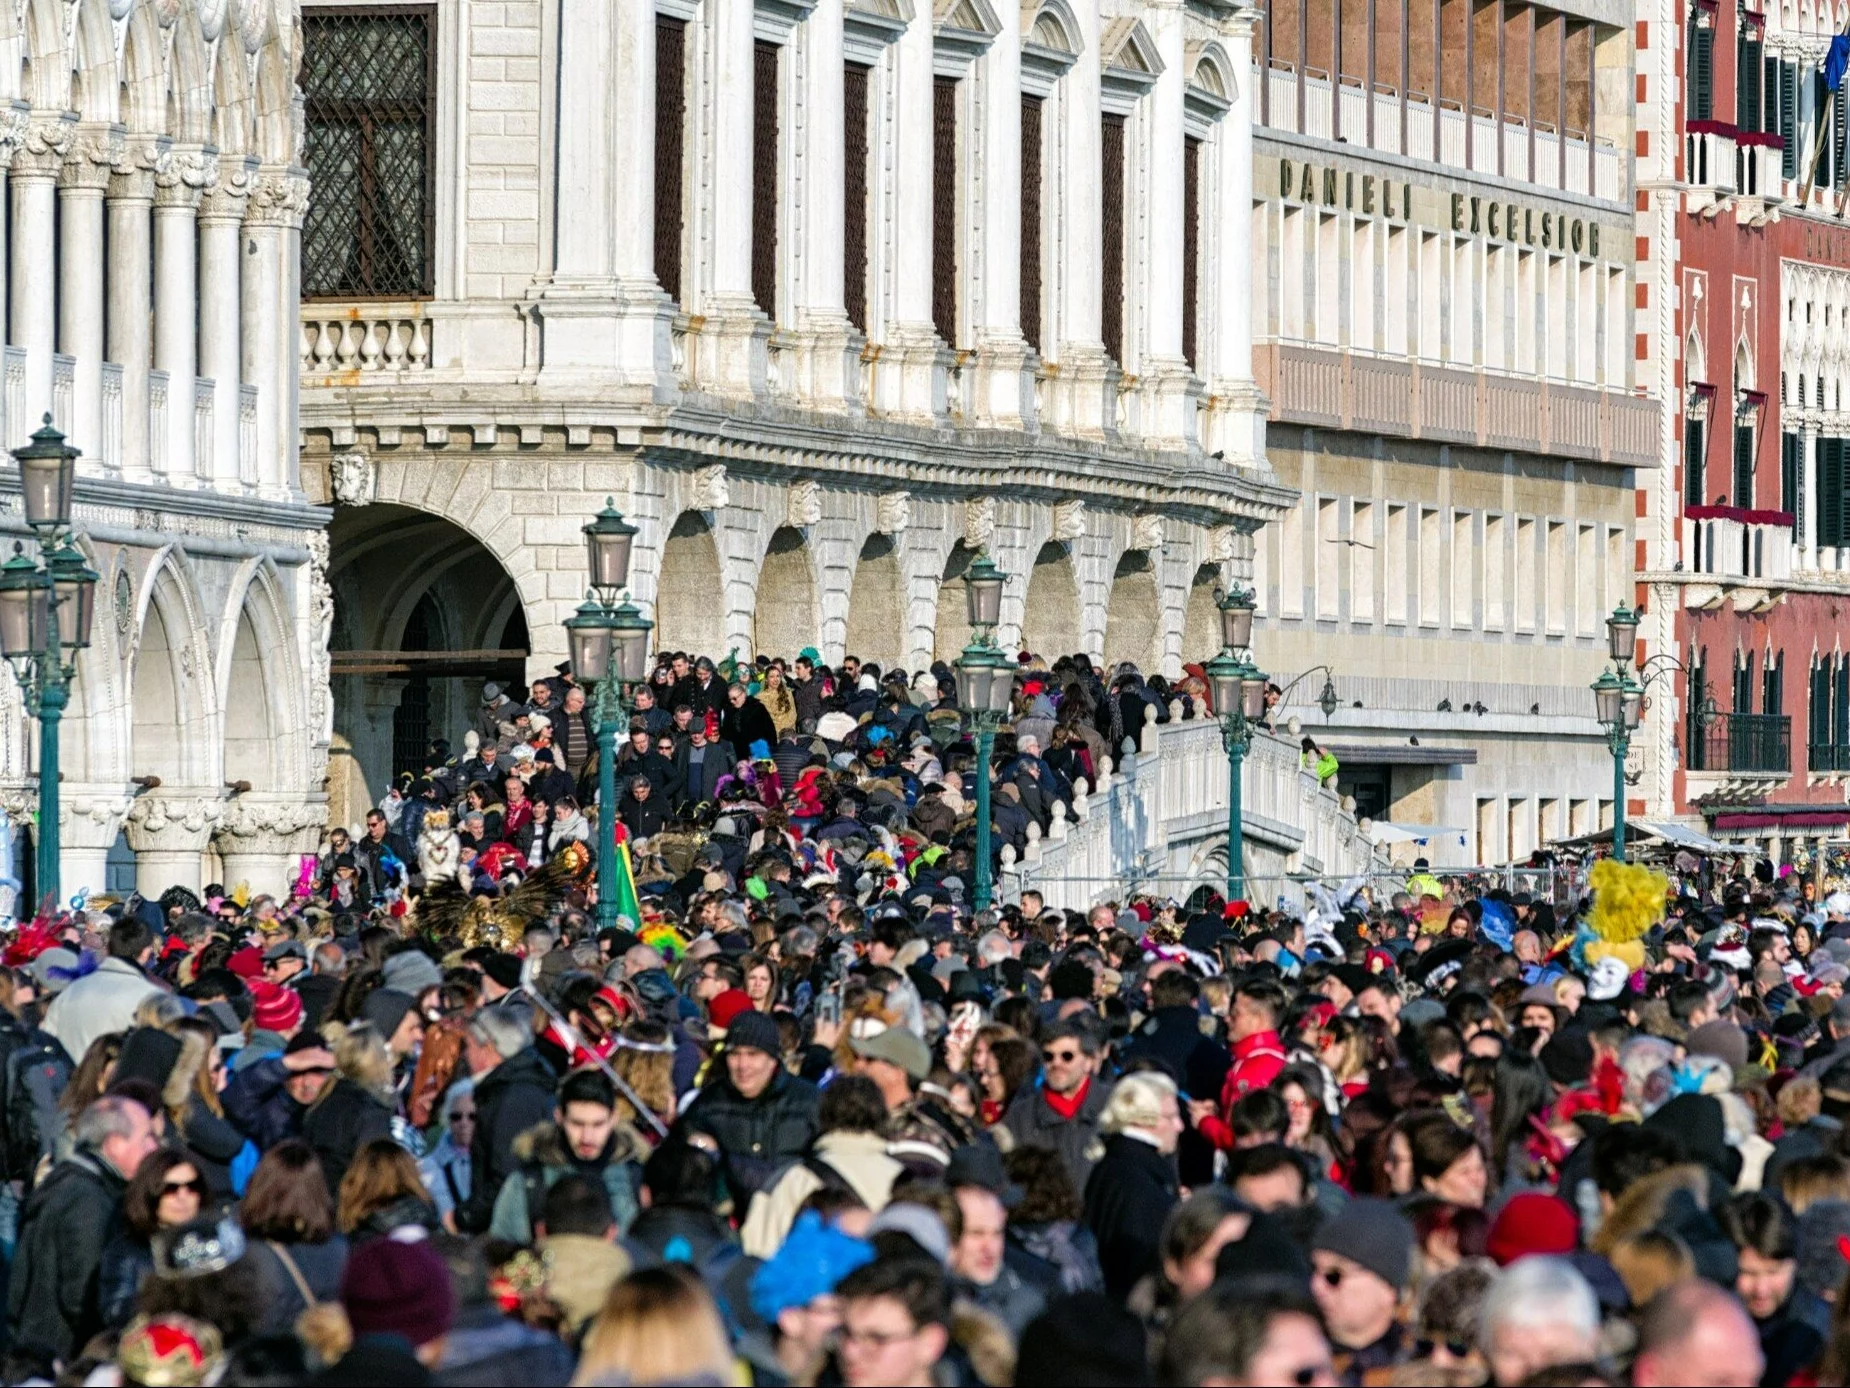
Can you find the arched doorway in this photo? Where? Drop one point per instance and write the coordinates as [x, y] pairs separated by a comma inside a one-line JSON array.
[[951, 629], [425, 617], [784, 621], [157, 704], [1201, 619], [1050, 622], [690, 595], [251, 735], [877, 605], [1134, 614]]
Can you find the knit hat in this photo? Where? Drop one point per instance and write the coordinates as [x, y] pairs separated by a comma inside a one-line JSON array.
[[273, 1007], [1532, 1223], [896, 1046], [398, 1285], [385, 1008], [1724, 1040], [918, 1223], [812, 1260], [1822, 1245], [723, 1009], [504, 969], [755, 1031], [1374, 1234], [411, 972]]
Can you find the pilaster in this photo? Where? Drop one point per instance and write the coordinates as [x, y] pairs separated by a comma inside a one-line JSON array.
[[270, 291], [221, 239], [82, 181]]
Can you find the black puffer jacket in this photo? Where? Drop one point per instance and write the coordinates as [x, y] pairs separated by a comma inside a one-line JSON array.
[[1128, 1198], [510, 1099], [758, 1135], [345, 1118], [52, 1302]]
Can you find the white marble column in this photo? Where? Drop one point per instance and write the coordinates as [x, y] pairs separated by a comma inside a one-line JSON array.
[[13, 121], [33, 320], [270, 321], [221, 355], [81, 183], [259, 842], [999, 389], [1168, 386], [1234, 423], [177, 192], [822, 366], [169, 834], [130, 310], [728, 354], [1081, 397], [909, 376]]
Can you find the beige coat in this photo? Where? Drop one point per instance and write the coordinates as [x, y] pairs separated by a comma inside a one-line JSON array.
[[863, 1163]]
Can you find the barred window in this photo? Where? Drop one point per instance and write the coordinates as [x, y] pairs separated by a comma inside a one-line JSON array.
[[369, 82]]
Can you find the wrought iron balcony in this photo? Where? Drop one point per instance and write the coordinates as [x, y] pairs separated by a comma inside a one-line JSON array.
[[1751, 743]]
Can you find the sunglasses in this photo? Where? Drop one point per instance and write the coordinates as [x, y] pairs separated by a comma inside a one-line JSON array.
[[1063, 1057], [1332, 1277], [1458, 1349], [1309, 1374], [196, 1185]]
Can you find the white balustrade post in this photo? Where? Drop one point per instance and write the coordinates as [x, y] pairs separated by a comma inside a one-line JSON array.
[[130, 310], [177, 192], [221, 356]]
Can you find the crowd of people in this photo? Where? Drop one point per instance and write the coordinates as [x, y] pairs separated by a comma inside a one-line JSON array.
[[808, 1117]]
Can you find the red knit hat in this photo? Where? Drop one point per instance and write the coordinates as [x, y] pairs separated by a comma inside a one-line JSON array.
[[273, 1007], [1532, 1223], [246, 963], [726, 1007]]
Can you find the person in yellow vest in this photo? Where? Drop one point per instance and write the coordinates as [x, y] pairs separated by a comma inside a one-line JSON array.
[[1422, 882], [1317, 761]]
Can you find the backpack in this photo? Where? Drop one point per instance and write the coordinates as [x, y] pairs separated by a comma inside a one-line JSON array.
[[36, 1074]]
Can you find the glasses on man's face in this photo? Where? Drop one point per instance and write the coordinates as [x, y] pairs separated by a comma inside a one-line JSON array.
[[1425, 1349], [1059, 1057]]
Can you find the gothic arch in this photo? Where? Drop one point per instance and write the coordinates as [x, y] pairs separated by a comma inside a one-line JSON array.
[[260, 685], [785, 617], [94, 88], [1743, 366], [170, 700], [1134, 614], [233, 116], [877, 605], [690, 594], [275, 104], [1050, 624], [143, 100], [190, 80], [47, 64]]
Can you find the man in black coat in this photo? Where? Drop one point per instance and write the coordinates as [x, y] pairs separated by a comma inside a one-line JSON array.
[[370, 853], [698, 765], [639, 758], [513, 1094], [70, 1218], [745, 721], [761, 1116], [1172, 1036]]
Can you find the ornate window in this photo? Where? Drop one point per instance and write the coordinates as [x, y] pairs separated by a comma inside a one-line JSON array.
[[369, 83]]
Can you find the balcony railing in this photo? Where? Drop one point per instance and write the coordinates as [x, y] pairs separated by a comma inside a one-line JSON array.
[[1709, 163], [1738, 542], [1828, 756], [1754, 743]]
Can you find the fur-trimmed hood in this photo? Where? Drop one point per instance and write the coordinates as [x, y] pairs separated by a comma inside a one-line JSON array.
[[545, 1145]]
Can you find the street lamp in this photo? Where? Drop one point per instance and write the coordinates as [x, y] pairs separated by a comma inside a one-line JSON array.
[[608, 640], [985, 685], [1238, 686], [1618, 702], [45, 614]]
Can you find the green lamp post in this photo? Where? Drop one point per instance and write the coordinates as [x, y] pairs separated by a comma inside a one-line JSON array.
[[609, 647], [985, 685], [1618, 702], [46, 608], [1238, 686]]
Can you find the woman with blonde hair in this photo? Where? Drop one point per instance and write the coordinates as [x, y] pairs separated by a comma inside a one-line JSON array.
[[1134, 1186], [659, 1326], [357, 1107]]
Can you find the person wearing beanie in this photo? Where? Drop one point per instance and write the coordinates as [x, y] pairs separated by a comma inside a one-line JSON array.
[[394, 1015], [500, 979], [1361, 1262], [399, 1287], [1532, 1223], [760, 1114], [793, 1293], [276, 1016], [724, 1008]]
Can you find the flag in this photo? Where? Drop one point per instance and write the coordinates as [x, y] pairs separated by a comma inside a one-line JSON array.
[[1836, 61], [628, 904]]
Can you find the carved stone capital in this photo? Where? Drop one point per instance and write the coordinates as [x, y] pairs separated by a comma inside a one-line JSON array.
[[92, 158], [979, 522], [279, 198], [353, 477], [13, 120], [91, 821], [226, 199], [893, 513], [142, 160], [267, 826], [188, 174], [43, 147], [171, 824]]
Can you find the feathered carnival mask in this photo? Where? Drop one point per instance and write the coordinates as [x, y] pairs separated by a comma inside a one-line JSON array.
[[1628, 899], [665, 940]]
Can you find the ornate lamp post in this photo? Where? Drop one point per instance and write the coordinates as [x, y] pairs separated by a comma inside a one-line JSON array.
[[1618, 701], [1239, 700], [609, 641], [45, 614], [985, 684]]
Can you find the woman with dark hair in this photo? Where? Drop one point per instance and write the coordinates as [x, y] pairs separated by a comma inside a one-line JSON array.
[[1524, 1091], [1007, 1063], [1048, 1220], [288, 1219], [1308, 1128], [1448, 1163], [382, 1191], [1448, 1234], [166, 1191]]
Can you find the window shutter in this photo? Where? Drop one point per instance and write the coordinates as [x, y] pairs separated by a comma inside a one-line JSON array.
[[1825, 108], [1744, 465], [1830, 492], [764, 177], [670, 149], [1789, 118], [854, 194], [1840, 702], [1701, 72], [1693, 441], [1747, 99], [1111, 191], [944, 209], [1695, 740], [1031, 220], [1191, 245], [1818, 709], [1773, 686], [1790, 452]]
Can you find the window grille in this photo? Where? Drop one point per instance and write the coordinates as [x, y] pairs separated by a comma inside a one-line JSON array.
[[1031, 220], [1111, 190], [764, 177], [369, 87], [944, 209], [1694, 448], [854, 193], [670, 149], [1191, 245]]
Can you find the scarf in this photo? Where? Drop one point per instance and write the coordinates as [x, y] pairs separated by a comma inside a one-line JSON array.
[[1068, 1105]]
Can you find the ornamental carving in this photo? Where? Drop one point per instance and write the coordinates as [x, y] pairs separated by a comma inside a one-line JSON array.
[[266, 826], [1069, 520], [979, 522], [159, 814], [254, 21], [893, 513], [278, 199], [1221, 544], [93, 157], [225, 199], [43, 147], [805, 505], [711, 492], [321, 600], [211, 18], [353, 477], [187, 175], [12, 132], [1147, 533]]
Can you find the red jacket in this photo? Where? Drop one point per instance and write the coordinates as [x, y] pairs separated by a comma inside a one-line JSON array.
[[1257, 1061]]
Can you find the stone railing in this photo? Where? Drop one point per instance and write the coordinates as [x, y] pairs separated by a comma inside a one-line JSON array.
[[342, 342], [1735, 542], [1159, 823]]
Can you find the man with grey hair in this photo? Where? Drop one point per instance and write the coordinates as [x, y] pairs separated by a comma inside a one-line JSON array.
[[513, 1093], [51, 1300], [993, 948], [1539, 1314]]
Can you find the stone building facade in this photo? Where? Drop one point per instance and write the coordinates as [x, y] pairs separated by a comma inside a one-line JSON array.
[[155, 195], [828, 294], [1446, 329]]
